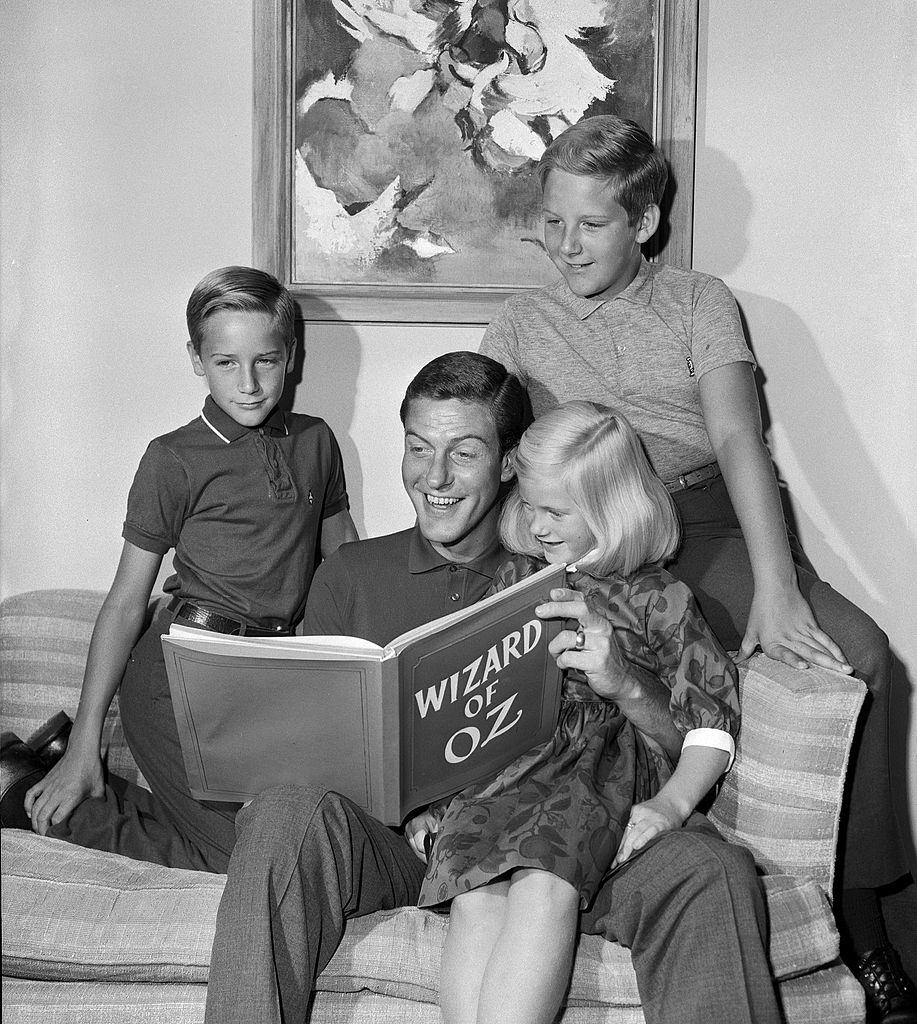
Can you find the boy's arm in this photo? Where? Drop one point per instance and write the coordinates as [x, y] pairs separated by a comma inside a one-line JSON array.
[[697, 771], [780, 621], [79, 772], [337, 530]]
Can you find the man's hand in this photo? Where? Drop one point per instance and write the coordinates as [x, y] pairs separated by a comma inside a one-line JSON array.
[[599, 656]]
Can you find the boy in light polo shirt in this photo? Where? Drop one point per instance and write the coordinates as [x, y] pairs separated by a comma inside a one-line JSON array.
[[247, 495], [665, 347]]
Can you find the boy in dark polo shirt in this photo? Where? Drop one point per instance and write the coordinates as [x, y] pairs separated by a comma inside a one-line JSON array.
[[247, 495]]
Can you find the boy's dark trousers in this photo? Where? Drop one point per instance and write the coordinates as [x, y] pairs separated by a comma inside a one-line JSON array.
[[713, 561], [167, 825], [690, 908]]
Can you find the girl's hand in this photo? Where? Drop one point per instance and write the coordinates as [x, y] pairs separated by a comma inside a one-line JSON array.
[[781, 623], [67, 784], [598, 656], [647, 820], [424, 824]]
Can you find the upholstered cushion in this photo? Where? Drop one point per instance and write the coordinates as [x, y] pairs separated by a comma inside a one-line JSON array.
[[828, 995], [108, 1002], [781, 797], [73, 914]]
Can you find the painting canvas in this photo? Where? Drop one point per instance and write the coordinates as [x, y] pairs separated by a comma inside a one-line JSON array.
[[414, 128]]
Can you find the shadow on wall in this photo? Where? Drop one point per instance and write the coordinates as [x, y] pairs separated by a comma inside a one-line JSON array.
[[344, 370], [826, 448]]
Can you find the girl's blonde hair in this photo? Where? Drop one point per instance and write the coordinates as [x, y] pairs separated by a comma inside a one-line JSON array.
[[596, 454]]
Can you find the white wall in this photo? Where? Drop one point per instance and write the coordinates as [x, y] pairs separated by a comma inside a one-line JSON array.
[[805, 205], [125, 175], [126, 169]]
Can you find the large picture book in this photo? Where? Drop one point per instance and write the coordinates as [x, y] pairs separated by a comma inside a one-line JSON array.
[[392, 728]]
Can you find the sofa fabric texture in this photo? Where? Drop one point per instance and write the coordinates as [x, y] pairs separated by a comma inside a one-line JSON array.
[[98, 937]]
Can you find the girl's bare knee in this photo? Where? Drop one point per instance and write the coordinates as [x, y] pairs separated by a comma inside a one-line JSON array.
[[480, 906], [541, 892]]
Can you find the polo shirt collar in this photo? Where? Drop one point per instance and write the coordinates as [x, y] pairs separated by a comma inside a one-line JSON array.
[[226, 428], [639, 292], [422, 557]]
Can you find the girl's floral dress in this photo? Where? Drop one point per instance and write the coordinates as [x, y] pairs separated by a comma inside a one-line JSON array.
[[562, 806]]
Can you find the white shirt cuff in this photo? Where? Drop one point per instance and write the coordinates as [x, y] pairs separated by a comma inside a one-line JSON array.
[[718, 738]]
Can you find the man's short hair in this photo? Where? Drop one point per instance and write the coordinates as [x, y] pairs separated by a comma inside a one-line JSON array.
[[246, 290], [616, 149], [472, 377]]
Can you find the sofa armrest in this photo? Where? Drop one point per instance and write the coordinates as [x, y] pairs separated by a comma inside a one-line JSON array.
[[782, 798], [44, 640]]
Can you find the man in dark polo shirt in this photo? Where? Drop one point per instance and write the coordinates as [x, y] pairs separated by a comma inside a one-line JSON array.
[[306, 860], [462, 419]]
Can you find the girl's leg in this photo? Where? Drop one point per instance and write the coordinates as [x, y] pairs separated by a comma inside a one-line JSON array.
[[529, 967], [475, 921]]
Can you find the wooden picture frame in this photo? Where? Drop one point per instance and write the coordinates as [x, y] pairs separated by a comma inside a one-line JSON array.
[[412, 302]]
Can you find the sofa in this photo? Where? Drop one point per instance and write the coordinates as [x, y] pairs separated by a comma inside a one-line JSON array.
[[96, 937]]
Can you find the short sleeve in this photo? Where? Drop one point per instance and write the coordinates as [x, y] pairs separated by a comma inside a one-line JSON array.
[[327, 611], [692, 663], [500, 342], [717, 337], [336, 499], [157, 503]]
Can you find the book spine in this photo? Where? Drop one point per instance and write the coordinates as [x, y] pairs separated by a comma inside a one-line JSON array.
[[389, 777]]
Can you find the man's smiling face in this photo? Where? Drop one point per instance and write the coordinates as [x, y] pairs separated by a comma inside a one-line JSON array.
[[452, 470]]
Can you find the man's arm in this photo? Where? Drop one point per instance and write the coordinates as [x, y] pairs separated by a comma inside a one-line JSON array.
[[326, 606], [640, 695], [337, 530]]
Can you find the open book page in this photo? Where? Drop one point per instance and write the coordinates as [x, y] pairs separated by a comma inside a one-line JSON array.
[[331, 647]]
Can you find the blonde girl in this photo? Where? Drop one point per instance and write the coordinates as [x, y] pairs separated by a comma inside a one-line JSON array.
[[646, 686]]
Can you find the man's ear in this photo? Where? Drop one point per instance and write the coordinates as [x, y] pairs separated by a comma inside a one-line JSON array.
[[508, 466], [195, 360], [291, 356], [648, 223]]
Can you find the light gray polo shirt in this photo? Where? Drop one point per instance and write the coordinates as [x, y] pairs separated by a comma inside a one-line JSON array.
[[641, 352]]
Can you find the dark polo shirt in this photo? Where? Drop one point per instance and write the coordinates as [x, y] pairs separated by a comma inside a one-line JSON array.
[[242, 507], [378, 589]]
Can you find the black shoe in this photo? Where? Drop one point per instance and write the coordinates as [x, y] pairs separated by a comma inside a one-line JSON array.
[[890, 994], [50, 742], [20, 769]]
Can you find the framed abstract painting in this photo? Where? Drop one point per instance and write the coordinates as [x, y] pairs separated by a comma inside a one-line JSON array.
[[395, 141]]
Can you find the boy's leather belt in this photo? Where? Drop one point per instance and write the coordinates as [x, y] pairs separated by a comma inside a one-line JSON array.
[[697, 476], [206, 619]]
